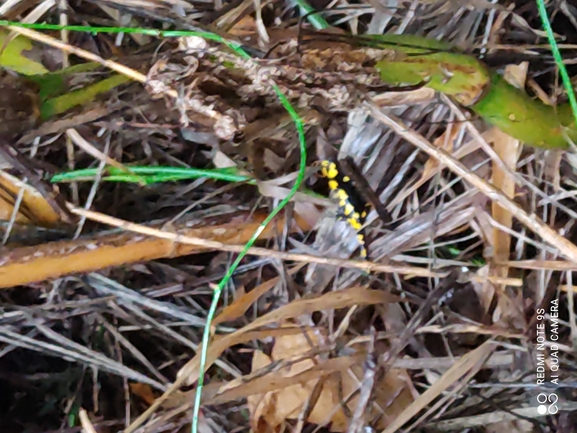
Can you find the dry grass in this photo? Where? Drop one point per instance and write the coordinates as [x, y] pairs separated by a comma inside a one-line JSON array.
[[106, 286]]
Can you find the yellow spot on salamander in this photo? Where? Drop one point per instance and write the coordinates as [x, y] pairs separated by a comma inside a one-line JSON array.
[[354, 222], [333, 184], [349, 209], [329, 169], [346, 179], [364, 214], [340, 194], [325, 168]]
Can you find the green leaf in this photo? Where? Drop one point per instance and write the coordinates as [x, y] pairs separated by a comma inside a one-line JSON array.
[[61, 104], [54, 83], [419, 60], [13, 55]]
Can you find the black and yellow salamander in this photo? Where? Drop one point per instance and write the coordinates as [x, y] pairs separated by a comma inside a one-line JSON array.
[[352, 207]]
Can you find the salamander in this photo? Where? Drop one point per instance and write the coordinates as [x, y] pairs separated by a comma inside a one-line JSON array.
[[352, 207]]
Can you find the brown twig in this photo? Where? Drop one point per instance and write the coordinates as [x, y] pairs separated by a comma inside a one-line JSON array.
[[211, 244]]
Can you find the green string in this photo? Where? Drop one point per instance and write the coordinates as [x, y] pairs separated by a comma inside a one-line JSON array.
[[558, 59], [133, 30], [218, 290], [298, 121]]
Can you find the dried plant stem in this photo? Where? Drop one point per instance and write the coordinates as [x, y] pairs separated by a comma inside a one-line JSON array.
[[263, 252]]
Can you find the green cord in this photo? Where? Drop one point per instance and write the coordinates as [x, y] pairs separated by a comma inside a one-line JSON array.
[[558, 59], [235, 46], [218, 290]]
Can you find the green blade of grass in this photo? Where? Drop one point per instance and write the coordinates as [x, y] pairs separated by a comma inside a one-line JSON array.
[[235, 46], [13, 55], [163, 174], [219, 288], [149, 175], [558, 59], [63, 103]]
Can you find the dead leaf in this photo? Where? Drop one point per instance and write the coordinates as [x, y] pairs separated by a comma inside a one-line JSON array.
[[143, 391], [256, 383], [258, 405], [392, 395], [332, 300], [463, 369], [243, 303], [432, 168], [246, 26]]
